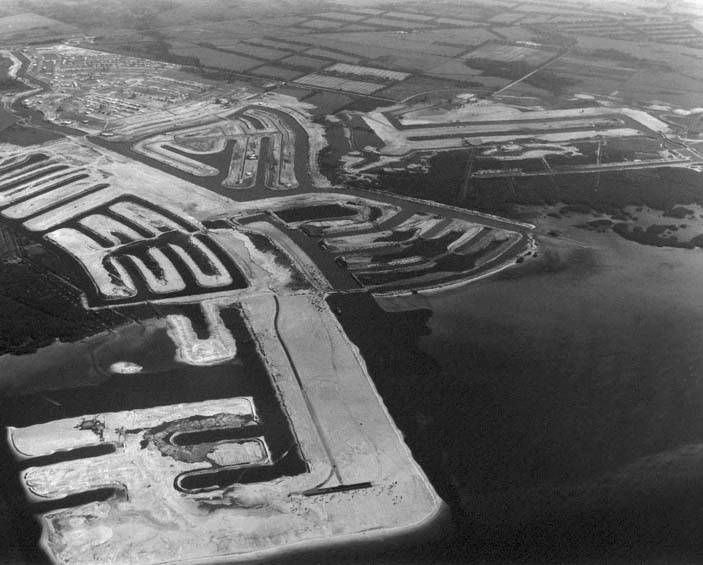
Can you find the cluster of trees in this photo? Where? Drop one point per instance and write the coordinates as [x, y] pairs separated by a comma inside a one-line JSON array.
[[38, 309]]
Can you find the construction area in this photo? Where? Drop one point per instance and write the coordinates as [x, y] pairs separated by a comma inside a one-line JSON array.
[[240, 142], [136, 236]]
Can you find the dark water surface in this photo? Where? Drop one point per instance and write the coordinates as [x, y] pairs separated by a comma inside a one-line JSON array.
[[558, 409]]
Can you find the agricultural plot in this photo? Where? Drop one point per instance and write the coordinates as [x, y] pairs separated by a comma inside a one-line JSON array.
[[277, 44], [416, 85], [280, 73], [255, 51], [214, 58], [295, 91], [32, 27], [367, 11], [516, 33], [509, 53], [423, 41], [359, 27], [337, 83], [671, 32], [342, 16], [610, 29], [392, 23], [591, 76], [304, 62], [408, 16], [507, 18], [329, 54], [329, 102], [376, 73], [360, 49], [458, 22], [458, 70], [321, 24]]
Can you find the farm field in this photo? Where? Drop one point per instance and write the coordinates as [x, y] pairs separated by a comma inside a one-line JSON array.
[[321, 24], [246, 49], [214, 58], [329, 54], [29, 27], [281, 73], [304, 62], [338, 83], [508, 53], [328, 102], [359, 70], [416, 85], [342, 16]]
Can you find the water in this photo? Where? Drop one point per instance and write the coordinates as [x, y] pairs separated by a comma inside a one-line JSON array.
[[559, 408], [65, 380]]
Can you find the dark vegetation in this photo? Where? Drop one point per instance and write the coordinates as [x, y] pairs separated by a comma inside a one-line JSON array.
[[657, 235], [330, 158], [152, 47], [39, 308], [513, 70], [668, 189], [615, 55], [665, 188], [26, 136]]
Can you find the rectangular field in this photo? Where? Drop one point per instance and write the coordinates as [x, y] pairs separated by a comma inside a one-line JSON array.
[[393, 23], [329, 102], [329, 54], [275, 44], [416, 85], [308, 63], [419, 42], [368, 11], [280, 73], [344, 16], [359, 70], [506, 53], [216, 59], [322, 24], [256, 51], [408, 16], [336, 83]]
